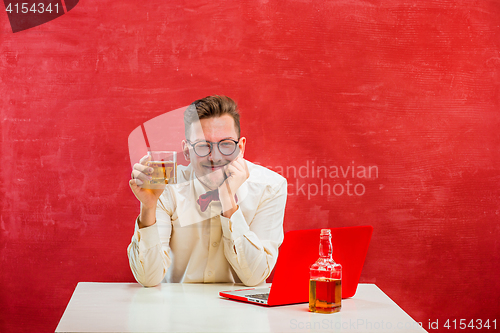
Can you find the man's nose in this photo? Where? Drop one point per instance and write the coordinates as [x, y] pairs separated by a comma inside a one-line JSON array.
[[215, 154]]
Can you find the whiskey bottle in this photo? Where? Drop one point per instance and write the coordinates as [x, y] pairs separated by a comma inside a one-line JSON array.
[[325, 279]]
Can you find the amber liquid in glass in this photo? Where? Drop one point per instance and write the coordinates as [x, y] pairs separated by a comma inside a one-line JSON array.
[[163, 172], [325, 295]]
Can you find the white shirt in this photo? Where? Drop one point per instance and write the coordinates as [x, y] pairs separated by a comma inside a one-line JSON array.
[[187, 245]]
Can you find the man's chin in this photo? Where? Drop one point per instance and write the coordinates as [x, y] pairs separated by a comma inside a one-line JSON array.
[[213, 179]]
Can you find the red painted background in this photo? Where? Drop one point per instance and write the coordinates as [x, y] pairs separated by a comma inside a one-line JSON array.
[[411, 88]]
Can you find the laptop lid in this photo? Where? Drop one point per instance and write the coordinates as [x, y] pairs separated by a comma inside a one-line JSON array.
[[300, 249]]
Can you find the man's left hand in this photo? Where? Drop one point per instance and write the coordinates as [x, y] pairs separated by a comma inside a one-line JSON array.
[[237, 173]]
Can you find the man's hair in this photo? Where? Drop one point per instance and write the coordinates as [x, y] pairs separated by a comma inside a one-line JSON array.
[[211, 107]]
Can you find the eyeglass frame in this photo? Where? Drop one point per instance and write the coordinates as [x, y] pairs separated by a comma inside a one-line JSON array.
[[212, 146]]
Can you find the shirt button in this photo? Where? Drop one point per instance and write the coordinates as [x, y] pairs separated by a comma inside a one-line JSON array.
[[214, 244], [209, 273]]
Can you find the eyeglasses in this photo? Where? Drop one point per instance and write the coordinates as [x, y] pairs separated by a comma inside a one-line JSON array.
[[204, 148]]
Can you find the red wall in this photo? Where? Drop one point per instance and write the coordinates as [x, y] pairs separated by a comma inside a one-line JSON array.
[[410, 88]]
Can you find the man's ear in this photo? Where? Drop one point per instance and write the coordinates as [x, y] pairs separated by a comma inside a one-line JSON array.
[[185, 149], [241, 145]]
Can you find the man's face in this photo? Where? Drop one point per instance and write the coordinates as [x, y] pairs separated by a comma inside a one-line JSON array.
[[209, 169]]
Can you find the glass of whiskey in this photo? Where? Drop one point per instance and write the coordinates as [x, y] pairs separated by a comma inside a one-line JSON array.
[[164, 164]]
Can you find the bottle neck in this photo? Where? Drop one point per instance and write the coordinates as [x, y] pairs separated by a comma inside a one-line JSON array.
[[325, 247]]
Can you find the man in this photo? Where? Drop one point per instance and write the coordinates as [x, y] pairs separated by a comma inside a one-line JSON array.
[[223, 221]]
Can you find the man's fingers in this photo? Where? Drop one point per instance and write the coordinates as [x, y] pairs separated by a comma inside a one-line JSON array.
[[238, 165], [136, 174], [231, 170], [145, 159], [236, 162], [143, 168], [241, 165], [135, 183]]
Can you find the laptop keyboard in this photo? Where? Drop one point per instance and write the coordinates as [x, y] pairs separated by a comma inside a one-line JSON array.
[[259, 296]]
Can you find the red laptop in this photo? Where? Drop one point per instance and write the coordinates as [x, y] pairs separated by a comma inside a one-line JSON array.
[[300, 249]]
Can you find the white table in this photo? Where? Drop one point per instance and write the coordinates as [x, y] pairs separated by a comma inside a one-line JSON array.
[[175, 307]]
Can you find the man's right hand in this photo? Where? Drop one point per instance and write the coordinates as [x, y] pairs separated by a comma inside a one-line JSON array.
[[148, 197]]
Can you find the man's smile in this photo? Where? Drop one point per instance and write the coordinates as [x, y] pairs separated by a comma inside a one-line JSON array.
[[213, 168]]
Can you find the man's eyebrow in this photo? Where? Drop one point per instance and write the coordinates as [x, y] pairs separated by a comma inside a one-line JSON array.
[[202, 140]]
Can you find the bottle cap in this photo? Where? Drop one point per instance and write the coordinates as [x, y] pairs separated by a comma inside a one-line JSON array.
[[326, 232]]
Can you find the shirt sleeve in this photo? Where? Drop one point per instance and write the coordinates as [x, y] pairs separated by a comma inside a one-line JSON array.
[[148, 252], [252, 248]]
